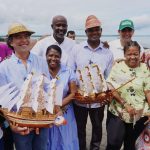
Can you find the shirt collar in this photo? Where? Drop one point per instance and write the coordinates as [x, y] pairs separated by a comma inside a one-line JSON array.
[[86, 45], [17, 60], [63, 68], [55, 42]]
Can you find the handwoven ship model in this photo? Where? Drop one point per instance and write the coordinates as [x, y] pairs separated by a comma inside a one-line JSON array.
[[31, 106], [92, 86]]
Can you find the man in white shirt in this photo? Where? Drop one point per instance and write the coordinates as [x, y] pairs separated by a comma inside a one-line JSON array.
[[59, 26], [126, 31]]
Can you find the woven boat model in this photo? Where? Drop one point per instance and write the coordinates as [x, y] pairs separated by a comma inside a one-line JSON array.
[[31, 106], [92, 85]]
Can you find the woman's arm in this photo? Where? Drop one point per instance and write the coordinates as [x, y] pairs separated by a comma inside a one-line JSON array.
[[147, 94], [116, 95], [121, 101], [70, 96]]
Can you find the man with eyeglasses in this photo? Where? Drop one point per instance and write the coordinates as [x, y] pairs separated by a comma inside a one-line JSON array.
[[125, 31], [92, 51]]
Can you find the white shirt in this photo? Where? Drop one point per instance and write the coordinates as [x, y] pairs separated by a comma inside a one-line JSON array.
[[82, 55], [42, 45], [117, 49]]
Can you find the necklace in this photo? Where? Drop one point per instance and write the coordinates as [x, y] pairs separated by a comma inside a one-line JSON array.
[[54, 71]]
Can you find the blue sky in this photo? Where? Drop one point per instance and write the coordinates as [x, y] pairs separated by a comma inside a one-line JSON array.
[[37, 14]]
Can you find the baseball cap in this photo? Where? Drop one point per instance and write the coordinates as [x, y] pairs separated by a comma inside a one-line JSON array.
[[126, 24]]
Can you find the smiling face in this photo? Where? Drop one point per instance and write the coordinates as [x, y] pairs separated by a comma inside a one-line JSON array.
[[126, 34], [53, 58], [132, 55], [20, 42], [59, 26], [94, 34], [71, 36]]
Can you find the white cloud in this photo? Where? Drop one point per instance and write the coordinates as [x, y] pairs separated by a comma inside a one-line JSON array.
[[142, 21], [38, 14]]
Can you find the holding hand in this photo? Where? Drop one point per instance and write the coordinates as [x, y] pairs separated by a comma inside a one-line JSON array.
[[22, 130], [130, 110]]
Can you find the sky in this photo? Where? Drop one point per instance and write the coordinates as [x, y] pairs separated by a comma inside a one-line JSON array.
[[37, 14]]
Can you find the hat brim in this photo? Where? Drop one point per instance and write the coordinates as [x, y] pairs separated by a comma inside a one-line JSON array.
[[13, 33], [93, 25], [126, 27]]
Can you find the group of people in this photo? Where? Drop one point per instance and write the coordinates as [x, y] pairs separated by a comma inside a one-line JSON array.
[[60, 57]]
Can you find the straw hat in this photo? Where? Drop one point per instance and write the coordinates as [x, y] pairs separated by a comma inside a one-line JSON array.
[[92, 21], [17, 28]]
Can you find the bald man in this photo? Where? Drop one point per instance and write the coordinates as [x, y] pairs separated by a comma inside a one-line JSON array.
[[59, 26]]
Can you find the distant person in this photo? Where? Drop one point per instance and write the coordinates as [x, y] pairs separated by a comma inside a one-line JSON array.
[[71, 35], [126, 31], [7, 139], [59, 26], [91, 51], [146, 57], [5, 51]]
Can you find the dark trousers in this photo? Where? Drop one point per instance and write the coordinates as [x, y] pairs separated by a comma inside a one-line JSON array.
[[8, 139], [96, 117], [118, 132]]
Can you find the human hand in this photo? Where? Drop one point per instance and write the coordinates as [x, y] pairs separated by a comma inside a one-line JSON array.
[[106, 45], [119, 60], [37, 130], [105, 97], [58, 110], [20, 130], [147, 121], [130, 110], [60, 120]]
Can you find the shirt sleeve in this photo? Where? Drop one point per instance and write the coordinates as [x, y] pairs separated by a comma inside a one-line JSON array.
[[72, 59], [109, 66], [72, 76]]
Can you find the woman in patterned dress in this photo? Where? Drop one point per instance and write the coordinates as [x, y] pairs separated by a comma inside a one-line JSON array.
[[125, 120]]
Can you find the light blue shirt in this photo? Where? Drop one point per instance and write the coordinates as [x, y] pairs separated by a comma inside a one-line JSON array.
[[83, 54], [13, 70], [65, 76]]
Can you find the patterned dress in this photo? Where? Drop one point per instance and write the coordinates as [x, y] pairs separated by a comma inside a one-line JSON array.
[[133, 92]]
